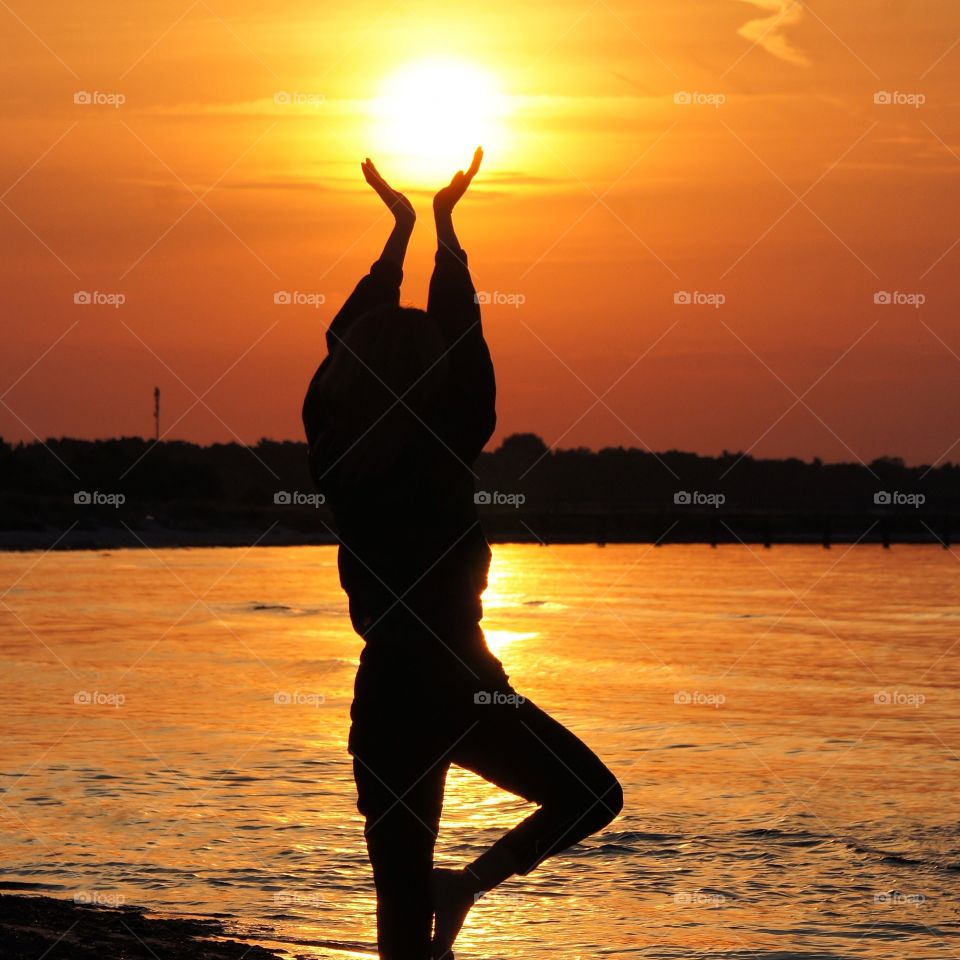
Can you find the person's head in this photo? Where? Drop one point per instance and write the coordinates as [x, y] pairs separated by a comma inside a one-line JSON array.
[[381, 391]]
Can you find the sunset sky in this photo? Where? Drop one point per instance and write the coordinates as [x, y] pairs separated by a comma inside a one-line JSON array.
[[635, 152]]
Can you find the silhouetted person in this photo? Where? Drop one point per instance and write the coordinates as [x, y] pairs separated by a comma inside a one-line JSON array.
[[395, 417]]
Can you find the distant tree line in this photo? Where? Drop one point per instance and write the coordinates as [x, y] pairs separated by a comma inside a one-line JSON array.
[[174, 491]]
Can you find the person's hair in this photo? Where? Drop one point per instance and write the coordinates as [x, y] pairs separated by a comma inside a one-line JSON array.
[[380, 394]]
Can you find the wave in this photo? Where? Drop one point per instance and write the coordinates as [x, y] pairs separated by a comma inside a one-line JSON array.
[[283, 610]]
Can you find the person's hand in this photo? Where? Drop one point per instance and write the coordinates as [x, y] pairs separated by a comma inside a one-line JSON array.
[[400, 206], [446, 199]]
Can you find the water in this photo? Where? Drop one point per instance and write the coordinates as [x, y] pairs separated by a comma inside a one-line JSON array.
[[785, 723]]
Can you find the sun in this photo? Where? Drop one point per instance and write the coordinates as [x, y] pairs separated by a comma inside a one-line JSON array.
[[431, 115]]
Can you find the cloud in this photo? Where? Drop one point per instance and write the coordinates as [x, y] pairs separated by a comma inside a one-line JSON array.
[[767, 32]]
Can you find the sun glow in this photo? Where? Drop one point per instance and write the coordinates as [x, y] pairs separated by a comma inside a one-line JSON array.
[[430, 117]]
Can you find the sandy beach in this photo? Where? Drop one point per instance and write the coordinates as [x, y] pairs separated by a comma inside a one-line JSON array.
[[55, 929]]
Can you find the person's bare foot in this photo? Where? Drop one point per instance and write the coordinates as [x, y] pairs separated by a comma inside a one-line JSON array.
[[454, 893]]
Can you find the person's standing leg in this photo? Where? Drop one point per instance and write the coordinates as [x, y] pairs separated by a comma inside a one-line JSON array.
[[400, 773], [401, 800]]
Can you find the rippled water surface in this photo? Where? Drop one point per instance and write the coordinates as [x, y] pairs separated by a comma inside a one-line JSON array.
[[785, 722]]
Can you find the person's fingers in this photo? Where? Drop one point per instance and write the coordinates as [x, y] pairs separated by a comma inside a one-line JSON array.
[[475, 163], [382, 188]]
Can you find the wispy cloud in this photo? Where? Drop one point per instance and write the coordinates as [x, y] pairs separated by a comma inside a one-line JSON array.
[[768, 32]]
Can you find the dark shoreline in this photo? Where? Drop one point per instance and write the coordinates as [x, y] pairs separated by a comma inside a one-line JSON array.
[[39, 926], [658, 528]]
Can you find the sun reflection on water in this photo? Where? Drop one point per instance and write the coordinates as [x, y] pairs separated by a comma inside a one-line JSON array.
[[497, 640]]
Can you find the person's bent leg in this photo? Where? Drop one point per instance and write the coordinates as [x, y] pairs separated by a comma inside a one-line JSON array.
[[522, 749]]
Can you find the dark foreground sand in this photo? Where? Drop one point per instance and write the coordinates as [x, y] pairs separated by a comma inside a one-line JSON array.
[[32, 927]]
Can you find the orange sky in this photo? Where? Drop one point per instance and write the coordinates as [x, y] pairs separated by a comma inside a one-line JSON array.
[[797, 198]]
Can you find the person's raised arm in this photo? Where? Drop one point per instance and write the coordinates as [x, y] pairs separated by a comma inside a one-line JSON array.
[[453, 304], [452, 300], [381, 285], [446, 199], [404, 217]]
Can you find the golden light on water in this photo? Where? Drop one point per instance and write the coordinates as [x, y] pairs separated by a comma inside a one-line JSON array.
[[431, 115], [242, 785], [497, 640]]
